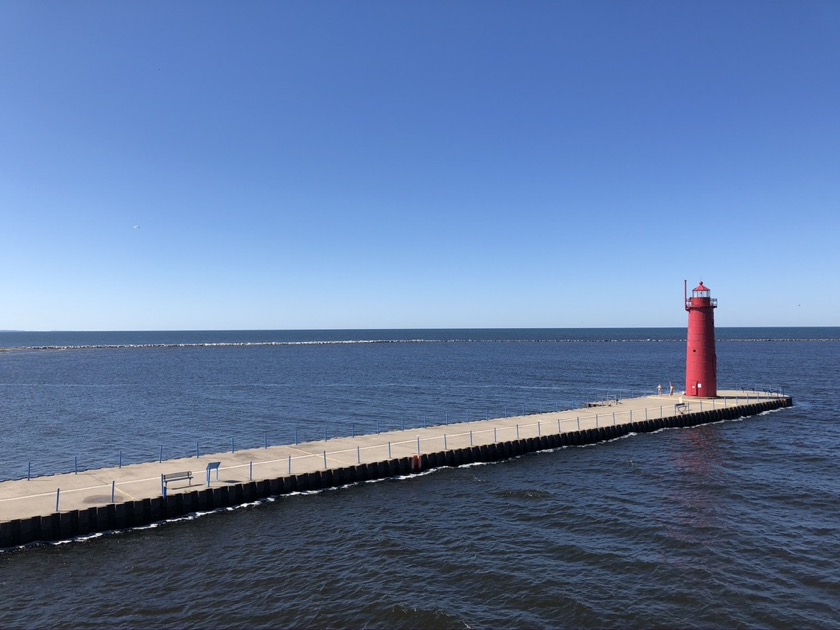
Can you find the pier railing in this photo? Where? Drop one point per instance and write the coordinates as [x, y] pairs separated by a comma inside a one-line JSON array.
[[343, 453], [430, 437], [461, 437]]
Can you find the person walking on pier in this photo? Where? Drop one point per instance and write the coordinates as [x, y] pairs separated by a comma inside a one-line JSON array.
[[672, 390], [659, 389]]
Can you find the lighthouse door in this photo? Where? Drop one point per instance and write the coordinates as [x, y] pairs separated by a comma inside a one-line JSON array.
[[695, 388]]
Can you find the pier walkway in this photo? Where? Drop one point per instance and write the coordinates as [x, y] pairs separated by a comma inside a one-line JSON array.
[[62, 506]]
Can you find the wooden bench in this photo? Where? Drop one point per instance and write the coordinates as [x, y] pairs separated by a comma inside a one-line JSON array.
[[176, 476], [603, 403]]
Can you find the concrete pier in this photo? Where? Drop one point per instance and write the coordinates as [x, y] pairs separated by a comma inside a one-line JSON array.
[[61, 507]]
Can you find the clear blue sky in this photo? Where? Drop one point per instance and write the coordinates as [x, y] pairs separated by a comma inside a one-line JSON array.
[[361, 164]]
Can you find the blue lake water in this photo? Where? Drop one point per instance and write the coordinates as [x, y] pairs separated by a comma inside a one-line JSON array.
[[717, 526]]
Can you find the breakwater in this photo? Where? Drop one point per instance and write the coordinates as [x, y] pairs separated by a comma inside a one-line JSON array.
[[131, 512]]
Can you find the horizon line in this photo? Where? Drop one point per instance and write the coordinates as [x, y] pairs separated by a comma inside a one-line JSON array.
[[123, 330]]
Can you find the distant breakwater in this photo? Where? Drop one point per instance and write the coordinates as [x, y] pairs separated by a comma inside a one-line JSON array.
[[267, 344]]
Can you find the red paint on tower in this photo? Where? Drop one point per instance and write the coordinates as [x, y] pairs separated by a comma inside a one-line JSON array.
[[701, 361]]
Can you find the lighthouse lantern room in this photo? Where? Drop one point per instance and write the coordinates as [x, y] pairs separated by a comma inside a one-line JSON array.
[[701, 361]]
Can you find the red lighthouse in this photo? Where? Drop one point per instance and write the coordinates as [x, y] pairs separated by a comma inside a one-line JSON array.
[[701, 362]]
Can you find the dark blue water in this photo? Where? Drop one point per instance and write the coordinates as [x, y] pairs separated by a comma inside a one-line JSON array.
[[731, 524]]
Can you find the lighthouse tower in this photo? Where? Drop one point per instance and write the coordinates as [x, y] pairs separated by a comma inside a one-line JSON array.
[[701, 362]]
